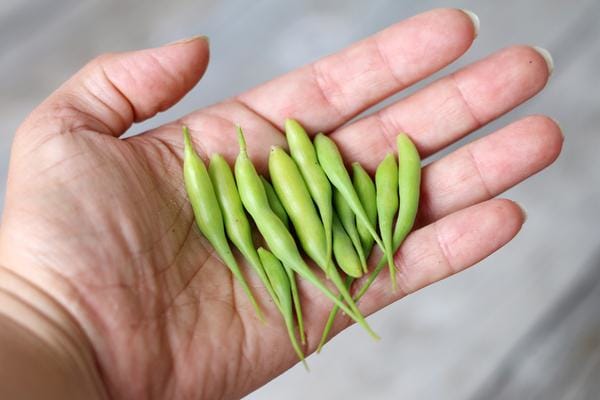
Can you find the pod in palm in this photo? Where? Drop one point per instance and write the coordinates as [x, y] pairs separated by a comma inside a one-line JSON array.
[[344, 251], [207, 212], [296, 300], [295, 197], [293, 193], [237, 225], [348, 221], [331, 161], [350, 231], [409, 189], [386, 183], [409, 183], [274, 202], [279, 281], [275, 233], [331, 319], [365, 188], [303, 153]]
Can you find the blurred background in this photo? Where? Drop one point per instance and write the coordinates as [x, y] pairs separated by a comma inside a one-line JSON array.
[[523, 324]]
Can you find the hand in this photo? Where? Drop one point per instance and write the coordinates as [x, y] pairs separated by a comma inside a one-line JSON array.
[[98, 235]]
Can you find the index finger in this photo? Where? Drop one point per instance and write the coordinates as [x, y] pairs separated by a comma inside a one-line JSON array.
[[329, 92]]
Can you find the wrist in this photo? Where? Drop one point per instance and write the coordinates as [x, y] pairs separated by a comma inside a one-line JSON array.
[[43, 352]]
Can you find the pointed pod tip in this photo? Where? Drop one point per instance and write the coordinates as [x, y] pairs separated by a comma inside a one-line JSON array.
[[216, 157], [241, 138], [186, 132], [292, 124], [403, 137], [276, 149], [187, 141], [406, 145], [324, 140], [305, 365], [318, 139]]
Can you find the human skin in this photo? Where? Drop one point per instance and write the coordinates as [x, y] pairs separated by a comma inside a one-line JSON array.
[[103, 270]]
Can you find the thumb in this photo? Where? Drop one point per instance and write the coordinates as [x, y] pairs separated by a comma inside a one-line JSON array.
[[114, 90]]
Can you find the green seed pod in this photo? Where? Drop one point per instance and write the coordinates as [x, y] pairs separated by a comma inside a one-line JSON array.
[[331, 161], [293, 193], [274, 202], [281, 284], [344, 251], [348, 221], [386, 182], [295, 197], [365, 188], [236, 222], [208, 213], [303, 153], [275, 233], [409, 182], [409, 188]]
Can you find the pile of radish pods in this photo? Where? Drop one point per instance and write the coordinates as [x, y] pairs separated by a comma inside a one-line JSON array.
[[311, 207]]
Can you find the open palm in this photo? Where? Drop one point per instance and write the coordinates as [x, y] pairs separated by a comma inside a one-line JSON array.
[[102, 227]]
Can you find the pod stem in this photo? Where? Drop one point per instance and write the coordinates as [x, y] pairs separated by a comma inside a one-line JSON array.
[[258, 268], [386, 251], [399, 237], [229, 259], [290, 328], [345, 294], [331, 319], [355, 239], [358, 318], [380, 265], [392, 268], [297, 305]]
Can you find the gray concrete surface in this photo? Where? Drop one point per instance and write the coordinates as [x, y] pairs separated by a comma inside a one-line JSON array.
[[456, 339]]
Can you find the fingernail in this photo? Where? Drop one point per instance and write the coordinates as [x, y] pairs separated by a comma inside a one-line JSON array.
[[190, 39], [547, 57], [523, 211], [474, 20]]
